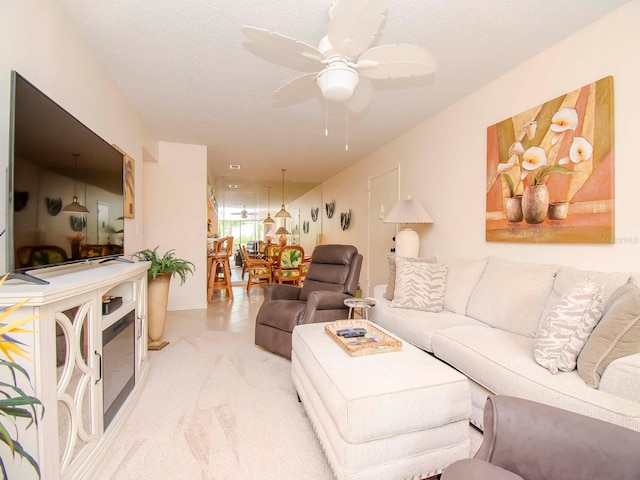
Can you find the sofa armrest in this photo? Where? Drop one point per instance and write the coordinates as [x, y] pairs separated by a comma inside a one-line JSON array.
[[537, 441], [281, 291], [473, 469], [622, 378]]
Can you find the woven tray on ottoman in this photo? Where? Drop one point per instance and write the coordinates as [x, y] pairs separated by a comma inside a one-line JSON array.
[[375, 340], [400, 415]]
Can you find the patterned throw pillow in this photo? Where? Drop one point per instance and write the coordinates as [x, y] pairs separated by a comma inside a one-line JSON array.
[[566, 328], [419, 286], [391, 284], [616, 335]]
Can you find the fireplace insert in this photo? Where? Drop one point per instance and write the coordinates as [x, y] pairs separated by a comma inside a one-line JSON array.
[[118, 364]]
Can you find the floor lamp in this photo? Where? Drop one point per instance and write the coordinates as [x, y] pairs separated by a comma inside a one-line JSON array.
[[405, 212]]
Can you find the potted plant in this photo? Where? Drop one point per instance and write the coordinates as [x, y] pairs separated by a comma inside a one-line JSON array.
[[15, 402], [161, 270]]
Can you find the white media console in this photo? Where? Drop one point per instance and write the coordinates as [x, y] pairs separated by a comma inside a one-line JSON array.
[[87, 368]]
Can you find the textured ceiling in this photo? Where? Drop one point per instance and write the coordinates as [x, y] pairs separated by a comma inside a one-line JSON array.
[[187, 68]]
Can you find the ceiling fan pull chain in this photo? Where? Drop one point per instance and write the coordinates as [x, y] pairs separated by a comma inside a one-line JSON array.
[[346, 131], [326, 117]]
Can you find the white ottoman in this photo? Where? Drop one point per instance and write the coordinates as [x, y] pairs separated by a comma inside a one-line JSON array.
[[393, 415]]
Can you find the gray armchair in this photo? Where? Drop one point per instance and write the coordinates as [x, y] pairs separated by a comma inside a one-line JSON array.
[[333, 276], [526, 440]]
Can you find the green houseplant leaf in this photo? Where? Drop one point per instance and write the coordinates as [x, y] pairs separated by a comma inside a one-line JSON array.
[[167, 263]]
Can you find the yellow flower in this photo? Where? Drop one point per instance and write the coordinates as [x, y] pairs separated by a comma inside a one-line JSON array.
[[9, 345]]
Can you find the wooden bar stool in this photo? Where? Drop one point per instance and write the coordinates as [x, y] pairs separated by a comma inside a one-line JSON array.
[[220, 268]]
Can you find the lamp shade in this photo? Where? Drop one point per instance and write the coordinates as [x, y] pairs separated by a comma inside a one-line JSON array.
[[408, 211], [282, 231], [268, 220], [283, 213], [75, 207]]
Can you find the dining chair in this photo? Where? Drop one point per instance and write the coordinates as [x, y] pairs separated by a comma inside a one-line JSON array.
[[259, 270], [289, 266]]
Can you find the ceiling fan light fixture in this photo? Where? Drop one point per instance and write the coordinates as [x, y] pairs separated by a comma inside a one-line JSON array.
[[338, 81]]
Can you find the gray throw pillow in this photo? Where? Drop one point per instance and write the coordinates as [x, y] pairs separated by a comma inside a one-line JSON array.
[[616, 335]]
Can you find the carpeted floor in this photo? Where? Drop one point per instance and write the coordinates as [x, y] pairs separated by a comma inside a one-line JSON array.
[[216, 407]]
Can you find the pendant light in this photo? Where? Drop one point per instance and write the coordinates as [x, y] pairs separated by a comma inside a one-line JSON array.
[[283, 213], [75, 207], [269, 220]]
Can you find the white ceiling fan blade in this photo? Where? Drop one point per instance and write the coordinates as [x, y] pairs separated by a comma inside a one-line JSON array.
[[362, 97], [354, 24], [281, 49], [396, 61], [296, 88]]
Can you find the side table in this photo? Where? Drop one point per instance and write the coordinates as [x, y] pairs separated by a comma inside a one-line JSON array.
[[364, 304]]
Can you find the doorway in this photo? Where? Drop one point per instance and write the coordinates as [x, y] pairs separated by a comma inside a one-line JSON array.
[[383, 195]]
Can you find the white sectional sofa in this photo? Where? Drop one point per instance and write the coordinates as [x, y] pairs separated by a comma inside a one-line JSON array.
[[492, 309]]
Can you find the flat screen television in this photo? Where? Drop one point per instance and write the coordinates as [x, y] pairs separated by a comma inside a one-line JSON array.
[[54, 161]]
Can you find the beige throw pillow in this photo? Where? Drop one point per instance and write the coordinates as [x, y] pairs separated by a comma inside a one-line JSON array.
[[564, 331], [419, 285], [616, 335], [391, 285]]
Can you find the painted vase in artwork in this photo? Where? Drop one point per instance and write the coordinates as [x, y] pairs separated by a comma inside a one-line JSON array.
[[513, 208], [558, 210], [535, 203]]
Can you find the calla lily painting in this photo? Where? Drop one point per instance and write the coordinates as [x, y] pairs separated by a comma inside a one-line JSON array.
[[550, 171]]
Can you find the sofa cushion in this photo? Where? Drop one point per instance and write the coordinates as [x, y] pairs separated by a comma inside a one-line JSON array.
[[419, 286], [503, 363], [511, 295], [565, 329], [391, 284], [567, 277], [616, 335], [414, 326], [462, 277]]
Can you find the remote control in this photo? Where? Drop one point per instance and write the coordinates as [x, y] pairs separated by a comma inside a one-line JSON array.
[[353, 333]]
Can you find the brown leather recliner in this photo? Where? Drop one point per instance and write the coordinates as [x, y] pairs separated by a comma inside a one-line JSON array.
[[333, 276], [525, 440]]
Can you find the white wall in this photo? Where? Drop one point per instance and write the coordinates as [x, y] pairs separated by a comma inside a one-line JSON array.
[[40, 41], [443, 160], [311, 199], [175, 212]]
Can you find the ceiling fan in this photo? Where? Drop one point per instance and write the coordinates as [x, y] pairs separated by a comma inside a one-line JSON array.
[[243, 213], [344, 59]]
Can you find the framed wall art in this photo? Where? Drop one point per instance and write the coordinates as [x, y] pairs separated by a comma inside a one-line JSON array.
[[550, 171]]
